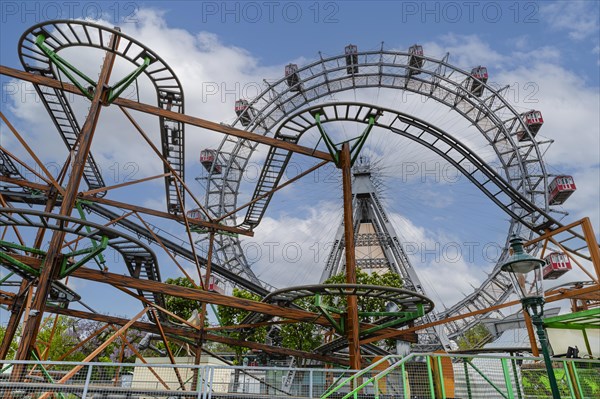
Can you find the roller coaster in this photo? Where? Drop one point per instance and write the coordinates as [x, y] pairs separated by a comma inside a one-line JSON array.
[[84, 220]]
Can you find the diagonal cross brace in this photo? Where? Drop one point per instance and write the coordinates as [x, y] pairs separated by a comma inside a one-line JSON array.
[[356, 147], [69, 70]]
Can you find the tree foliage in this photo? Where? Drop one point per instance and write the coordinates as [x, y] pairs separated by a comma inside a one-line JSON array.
[[473, 337], [182, 307], [365, 304], [59, 335], [13, 345], [231, 316], [302, 336]]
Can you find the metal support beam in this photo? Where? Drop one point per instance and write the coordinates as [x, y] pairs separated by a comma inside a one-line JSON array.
[[53, 257], [190, 120], [352, 308]]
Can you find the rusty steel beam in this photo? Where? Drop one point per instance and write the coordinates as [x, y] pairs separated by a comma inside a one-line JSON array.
[[187, 333], [270, 192], [198, 295], [123, 205], [165, 215], [32, 154], [153, 110], [120, 185], [352, 324], [551, 296], [54, 256]]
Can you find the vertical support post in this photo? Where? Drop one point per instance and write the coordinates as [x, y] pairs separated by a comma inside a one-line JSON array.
[[588, 347], [537, 321], [198, 354], [534, 348], [516, 377], [352, 308], [17, 309], [440, 387], [197, 383], [590, 239], [86, 385], [467, 380], [405, 386], [509, 391], [53, 258], [573, 380], [16, 312], [576, 377], [310, 383], [430, 377]]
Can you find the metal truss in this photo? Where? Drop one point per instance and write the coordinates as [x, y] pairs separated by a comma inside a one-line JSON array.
[[521, 191], [64, 34], [139, 259]]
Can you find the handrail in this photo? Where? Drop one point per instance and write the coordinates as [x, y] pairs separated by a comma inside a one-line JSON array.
[[359, 374], [403, 360], [380, 375], [438, 375]]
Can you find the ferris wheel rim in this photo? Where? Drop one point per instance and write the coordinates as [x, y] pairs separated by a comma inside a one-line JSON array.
[[492, 95], [443, 63], [169, 91]]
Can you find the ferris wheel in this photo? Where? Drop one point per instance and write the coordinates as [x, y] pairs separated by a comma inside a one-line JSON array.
[[286, 110]]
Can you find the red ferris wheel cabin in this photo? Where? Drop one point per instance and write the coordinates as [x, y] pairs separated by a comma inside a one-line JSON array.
[[560, 189]]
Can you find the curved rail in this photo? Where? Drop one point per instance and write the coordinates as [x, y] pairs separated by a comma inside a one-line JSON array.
[[491, 114], [64, 34], [139, 259]]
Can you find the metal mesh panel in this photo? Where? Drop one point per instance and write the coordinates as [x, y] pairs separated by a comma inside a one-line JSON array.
[[423, 376]]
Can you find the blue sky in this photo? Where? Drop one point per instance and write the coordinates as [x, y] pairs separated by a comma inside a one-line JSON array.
[[547, 51]]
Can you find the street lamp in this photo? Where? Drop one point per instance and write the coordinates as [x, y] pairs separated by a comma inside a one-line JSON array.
[[526, 274]]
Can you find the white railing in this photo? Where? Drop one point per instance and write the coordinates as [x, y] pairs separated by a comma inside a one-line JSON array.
[[47, 379]]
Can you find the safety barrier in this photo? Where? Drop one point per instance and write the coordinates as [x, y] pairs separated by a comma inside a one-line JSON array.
[[432, 376], [444, 376]]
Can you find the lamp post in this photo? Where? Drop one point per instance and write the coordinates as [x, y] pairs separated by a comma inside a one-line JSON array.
[[526, 274]]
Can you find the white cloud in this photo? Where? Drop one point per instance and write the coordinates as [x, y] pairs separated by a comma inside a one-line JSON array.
[[214, 75], [466, 51], [578, 18]]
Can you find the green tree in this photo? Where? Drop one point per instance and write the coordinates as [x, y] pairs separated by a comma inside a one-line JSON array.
[[302, 336], [474, 337], [232, 316], [13, 345], [365, 304], [182, 307], [57, 336]]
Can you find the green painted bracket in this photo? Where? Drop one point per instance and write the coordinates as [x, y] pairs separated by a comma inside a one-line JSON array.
[[328, 143], [22, 248], [324, 310], [17, 263], [403, 317], [69, 70], [100, 261], [3, 279], [65, 269], [37, 194], [124, 83], [487, 379], [7, 258], [65, 67], [356, 147], [45, 373]]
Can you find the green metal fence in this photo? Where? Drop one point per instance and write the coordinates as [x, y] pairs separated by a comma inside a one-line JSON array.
[[443, 376], [417, 376]]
